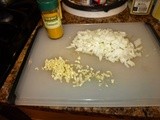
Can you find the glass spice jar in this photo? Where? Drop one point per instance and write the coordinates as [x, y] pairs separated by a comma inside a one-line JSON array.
[[51, 18], [140, 7], [156, 10]]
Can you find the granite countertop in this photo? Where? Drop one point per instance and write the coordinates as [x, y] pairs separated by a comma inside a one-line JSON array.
[[150, 111]]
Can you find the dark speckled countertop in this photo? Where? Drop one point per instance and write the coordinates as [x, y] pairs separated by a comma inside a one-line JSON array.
[[150, 111]]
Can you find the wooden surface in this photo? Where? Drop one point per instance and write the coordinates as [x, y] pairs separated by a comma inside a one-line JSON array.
[[44, 115]]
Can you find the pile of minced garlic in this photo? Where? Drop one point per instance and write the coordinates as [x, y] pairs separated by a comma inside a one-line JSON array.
[[109, 44], [75, 73]]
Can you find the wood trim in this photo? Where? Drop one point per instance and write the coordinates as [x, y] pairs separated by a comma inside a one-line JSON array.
[[57, 115]]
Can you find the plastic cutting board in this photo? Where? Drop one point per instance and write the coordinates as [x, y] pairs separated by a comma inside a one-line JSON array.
[[136, 86]]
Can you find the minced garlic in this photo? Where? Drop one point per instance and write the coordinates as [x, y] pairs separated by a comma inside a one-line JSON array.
[[75, 74]]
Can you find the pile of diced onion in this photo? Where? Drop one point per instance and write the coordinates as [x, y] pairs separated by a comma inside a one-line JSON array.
[[111, 45], [75, 73]]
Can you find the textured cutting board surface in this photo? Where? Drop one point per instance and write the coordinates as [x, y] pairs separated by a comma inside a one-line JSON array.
[[136, 86]]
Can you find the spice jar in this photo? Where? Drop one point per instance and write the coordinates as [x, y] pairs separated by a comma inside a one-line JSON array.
[[51, 18], [140, 7], [156, 10]]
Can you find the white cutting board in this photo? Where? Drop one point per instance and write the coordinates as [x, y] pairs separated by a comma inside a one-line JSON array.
[[136, 86]]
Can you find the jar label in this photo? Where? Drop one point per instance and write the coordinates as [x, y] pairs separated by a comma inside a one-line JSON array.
[[141, 6], [51, 20]]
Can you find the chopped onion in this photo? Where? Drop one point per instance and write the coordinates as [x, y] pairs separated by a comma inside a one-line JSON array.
[[107, 44]]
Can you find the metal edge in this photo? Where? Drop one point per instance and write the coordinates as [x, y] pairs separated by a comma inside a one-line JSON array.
[[12, 96]]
